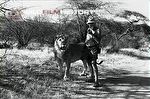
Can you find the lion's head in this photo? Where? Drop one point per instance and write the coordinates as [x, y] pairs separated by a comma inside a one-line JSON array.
[[61, 41]]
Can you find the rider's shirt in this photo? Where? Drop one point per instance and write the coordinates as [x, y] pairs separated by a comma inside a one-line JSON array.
[[89, 41], [92, 37]]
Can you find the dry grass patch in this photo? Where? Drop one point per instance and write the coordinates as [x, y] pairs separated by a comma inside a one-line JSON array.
[[33, 74]]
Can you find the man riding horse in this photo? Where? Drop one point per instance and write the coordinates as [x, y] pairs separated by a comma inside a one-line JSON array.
[[93, 38]]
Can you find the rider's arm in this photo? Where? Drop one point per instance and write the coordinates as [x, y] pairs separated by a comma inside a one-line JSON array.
[[99, 36], [91, 31]]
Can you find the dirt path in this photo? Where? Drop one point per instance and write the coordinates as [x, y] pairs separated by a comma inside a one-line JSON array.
[[34, 75], [123, 77]]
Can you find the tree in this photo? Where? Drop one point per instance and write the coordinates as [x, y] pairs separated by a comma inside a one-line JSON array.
[[3, 36], [46, 31], [2, 8], [22, 31], [133, 18], [88, 5]]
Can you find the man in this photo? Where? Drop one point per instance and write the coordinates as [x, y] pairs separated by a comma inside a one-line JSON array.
[[93, 38]]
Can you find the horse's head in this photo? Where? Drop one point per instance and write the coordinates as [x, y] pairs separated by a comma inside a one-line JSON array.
[[61, 41]]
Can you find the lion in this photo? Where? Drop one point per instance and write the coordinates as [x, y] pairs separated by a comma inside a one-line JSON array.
[[65, 53], [68, 53]]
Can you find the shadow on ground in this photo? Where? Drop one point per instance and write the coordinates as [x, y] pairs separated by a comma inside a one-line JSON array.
[[126, 87], [40, 81], [133, 54]]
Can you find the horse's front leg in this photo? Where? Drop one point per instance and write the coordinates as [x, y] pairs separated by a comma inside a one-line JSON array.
[[67, 71]]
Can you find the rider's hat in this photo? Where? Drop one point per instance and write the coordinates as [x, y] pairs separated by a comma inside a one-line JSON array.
[[90, 20]]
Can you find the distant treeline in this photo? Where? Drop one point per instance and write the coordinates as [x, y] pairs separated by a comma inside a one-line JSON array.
[[114, 34]]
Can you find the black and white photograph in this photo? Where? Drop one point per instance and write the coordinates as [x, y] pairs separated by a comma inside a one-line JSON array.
[[74, 49]]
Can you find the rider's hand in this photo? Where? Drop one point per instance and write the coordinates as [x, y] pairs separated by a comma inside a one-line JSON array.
[[90, 31]]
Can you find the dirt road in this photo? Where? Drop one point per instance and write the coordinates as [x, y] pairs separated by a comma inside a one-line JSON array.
[[34, 75]]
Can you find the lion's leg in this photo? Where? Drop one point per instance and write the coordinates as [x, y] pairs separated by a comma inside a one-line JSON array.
[[91, 76], [67, 71], [55, 55], [60, 63], [84, 73]]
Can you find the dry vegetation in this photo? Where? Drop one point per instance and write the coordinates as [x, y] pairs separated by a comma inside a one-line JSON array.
[[34, 74], [30, 72]]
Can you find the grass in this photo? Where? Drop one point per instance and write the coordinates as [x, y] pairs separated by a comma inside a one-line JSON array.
[[33, 74]]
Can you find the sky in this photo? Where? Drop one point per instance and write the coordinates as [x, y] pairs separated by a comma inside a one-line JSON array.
[[141, 6], [36, 7]]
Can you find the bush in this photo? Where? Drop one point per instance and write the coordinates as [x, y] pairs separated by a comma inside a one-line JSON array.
[[44, 32]]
